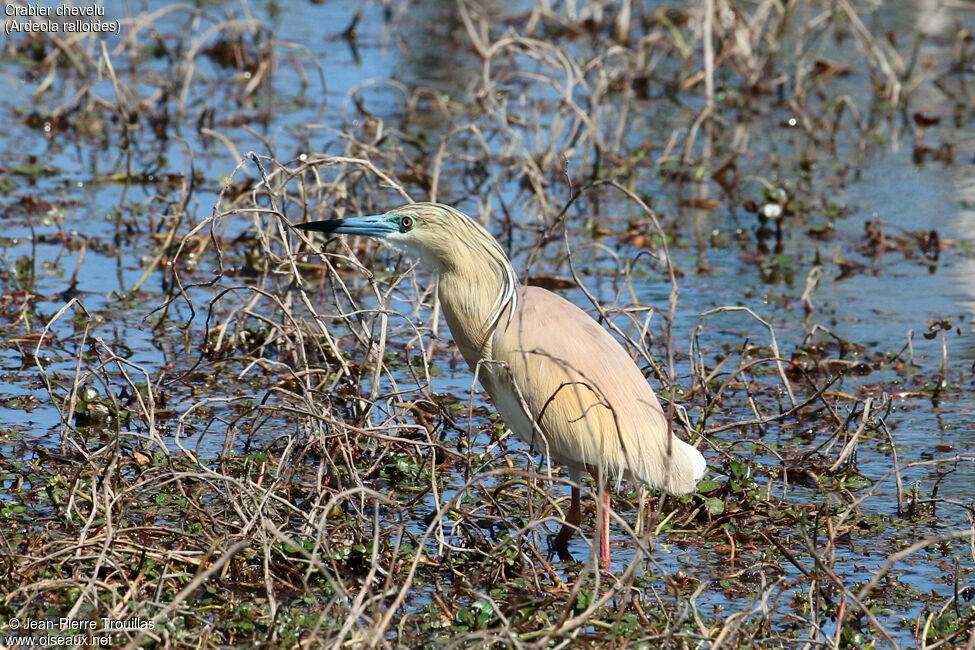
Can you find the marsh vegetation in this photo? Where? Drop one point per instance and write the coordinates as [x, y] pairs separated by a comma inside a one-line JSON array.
[[245, 436]]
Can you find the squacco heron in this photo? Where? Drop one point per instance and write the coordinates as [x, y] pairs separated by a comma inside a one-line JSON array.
[[560, 381]]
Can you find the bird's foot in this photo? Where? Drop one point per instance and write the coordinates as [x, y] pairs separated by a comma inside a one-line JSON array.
[[559, 546]]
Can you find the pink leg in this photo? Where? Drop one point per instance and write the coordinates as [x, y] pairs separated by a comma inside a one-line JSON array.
[[604, 532], [561, 544]]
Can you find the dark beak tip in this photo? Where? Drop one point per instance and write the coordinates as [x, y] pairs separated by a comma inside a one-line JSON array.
[[317, 226]]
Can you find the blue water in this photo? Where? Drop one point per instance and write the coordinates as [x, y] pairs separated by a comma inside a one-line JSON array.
[[883, 307]]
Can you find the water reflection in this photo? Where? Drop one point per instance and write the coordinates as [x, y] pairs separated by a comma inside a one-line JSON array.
[[962, 273], [437, 51]]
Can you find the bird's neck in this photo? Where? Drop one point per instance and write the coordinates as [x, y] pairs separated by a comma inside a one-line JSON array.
[[469, 294]]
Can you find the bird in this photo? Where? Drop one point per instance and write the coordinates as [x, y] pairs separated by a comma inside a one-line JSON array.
[[559, 380]]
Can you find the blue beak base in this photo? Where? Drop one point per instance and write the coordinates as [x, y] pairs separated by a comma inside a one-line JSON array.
[[371, 226]]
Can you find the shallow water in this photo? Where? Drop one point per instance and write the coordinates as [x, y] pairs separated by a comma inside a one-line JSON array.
[[885, 304]]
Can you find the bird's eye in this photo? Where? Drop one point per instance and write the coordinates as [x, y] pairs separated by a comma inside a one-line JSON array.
[[406, 223]]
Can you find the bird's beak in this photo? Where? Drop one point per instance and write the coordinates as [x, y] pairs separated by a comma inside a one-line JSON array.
[[377, 225]]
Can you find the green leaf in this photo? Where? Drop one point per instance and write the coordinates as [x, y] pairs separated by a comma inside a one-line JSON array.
[[707, 485]]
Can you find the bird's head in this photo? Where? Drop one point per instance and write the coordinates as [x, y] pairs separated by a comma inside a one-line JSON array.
[[438, 235]]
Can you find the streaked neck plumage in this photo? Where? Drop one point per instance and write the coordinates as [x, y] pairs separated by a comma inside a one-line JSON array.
[[477, 292]]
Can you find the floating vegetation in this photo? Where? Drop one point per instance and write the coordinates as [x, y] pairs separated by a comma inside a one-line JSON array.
[[219, 431]]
